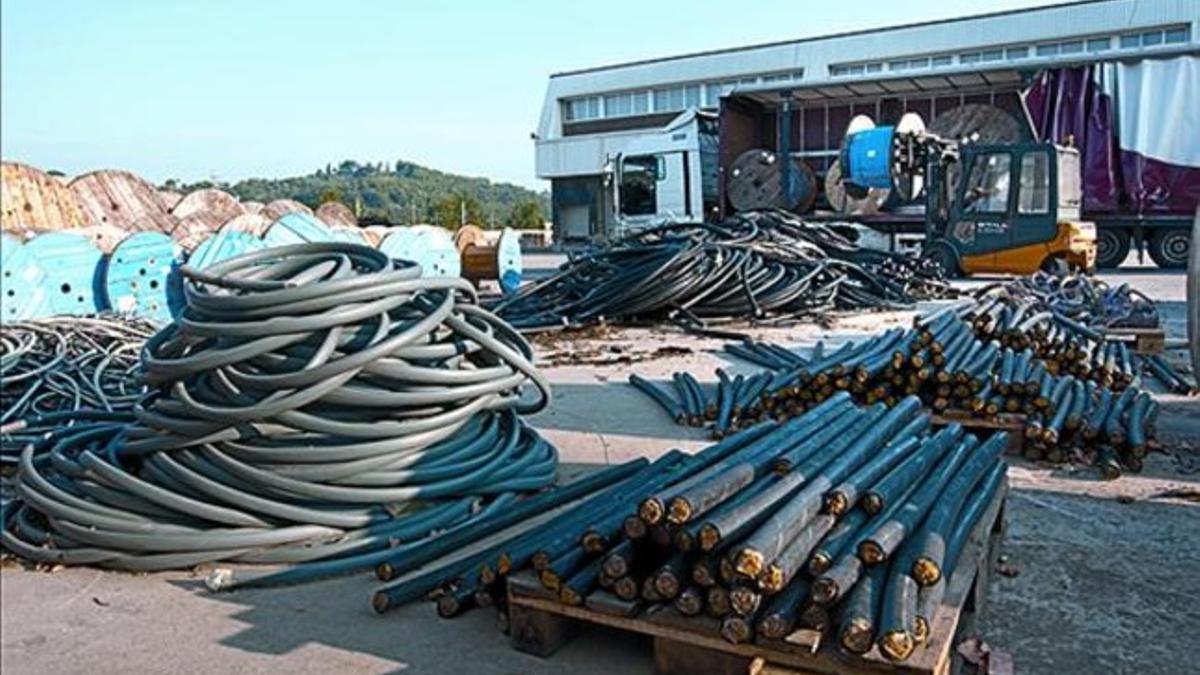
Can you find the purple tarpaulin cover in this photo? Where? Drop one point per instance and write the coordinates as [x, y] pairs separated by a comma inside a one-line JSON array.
[[1137, 127]]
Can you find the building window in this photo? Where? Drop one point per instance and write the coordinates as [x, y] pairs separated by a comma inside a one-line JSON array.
[[585, 108], [916, 64], [1130, 41], [1152, 38], [1047, 50], [641, 103], [992, 55], [747, 81], [618, 105], [874, 67], [691, 96], [969, 57], [669, 99], [1099, 44], [1175, 36], [1072, 47], [942, 61], [897, 65], [1014, 53]]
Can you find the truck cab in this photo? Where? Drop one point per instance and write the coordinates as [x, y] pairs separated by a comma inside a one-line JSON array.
[[1015, 209], [668, 177]]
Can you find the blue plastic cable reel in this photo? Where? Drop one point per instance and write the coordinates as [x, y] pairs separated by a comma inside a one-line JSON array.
[[142, 277], [22, 296], [74, 271]]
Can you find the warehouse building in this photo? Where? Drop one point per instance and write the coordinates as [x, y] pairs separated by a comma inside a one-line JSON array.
[[591, 116]]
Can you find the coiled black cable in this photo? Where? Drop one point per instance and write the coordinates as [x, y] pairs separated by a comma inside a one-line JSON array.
[[312, 403]]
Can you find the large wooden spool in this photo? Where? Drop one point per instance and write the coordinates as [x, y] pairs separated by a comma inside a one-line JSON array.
[[34, 201], [281, 207], [105, 237], [490, 258], [170, 198], [193, 229], [977, 123], [122, 199], [756, 182], [220, 203], [250, 223], [336, 214], [842, 202]]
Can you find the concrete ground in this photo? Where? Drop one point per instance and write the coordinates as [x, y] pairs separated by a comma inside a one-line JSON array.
[[1105, 573]]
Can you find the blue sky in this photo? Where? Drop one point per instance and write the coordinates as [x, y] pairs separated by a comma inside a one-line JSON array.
[[216, 88]]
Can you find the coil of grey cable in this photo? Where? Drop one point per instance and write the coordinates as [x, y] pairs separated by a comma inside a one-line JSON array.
[[312, 403]]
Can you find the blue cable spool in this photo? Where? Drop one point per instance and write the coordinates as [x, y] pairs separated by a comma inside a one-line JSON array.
[[400, 244], [350, 235], [223, 245], [21, 294], [867, 157], [434, 251], [74, 270], [142, 277], [508, 259], [297, 228]]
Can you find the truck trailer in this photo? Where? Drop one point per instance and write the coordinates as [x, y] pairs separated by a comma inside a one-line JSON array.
[[1135, 123]]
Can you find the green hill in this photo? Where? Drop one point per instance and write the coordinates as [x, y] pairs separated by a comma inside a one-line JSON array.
[[401, 194]]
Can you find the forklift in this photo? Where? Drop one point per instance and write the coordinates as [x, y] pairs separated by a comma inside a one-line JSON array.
[[1011, 209]]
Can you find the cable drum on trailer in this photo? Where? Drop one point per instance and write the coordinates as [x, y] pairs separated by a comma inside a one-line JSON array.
[[757, 181], [311, 402]]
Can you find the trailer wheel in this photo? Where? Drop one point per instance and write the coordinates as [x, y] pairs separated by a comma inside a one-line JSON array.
[[1112, 247], [1169, 248]]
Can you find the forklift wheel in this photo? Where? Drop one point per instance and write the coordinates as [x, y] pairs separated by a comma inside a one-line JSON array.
[[1056, 266], [944, 255]]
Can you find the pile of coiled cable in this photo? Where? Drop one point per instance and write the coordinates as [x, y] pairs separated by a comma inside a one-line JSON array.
[[1080, 298], [316, 402], [61, 370], [762, 266]]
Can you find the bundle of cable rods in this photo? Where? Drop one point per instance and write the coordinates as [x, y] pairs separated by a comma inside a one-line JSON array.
[[763, 266], [314, 402], [60, 370]]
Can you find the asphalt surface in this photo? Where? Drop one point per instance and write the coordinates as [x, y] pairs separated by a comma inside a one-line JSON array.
[[1105, 573]]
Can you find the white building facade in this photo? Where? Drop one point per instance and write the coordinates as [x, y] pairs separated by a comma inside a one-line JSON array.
[[591, 116]]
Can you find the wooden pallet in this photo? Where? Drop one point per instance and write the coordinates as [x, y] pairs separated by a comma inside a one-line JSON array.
[[539, 624], [1141, 340], [1013, 423]]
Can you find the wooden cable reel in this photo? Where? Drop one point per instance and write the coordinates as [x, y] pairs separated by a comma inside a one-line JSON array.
[[122, 199], [336, 214], [105, 237], [756, 182], [977, 123], [281, 207], [482, 260], [223, 205], [34, 201]]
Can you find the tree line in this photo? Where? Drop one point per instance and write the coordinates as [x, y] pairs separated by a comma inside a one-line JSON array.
[[400, 194]]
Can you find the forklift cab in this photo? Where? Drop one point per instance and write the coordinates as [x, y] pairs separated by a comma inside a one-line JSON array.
[[1015, 209]]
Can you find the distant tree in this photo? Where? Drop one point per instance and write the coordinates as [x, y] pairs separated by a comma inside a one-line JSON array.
[[526, 215], [330, 194], [450, 209]]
